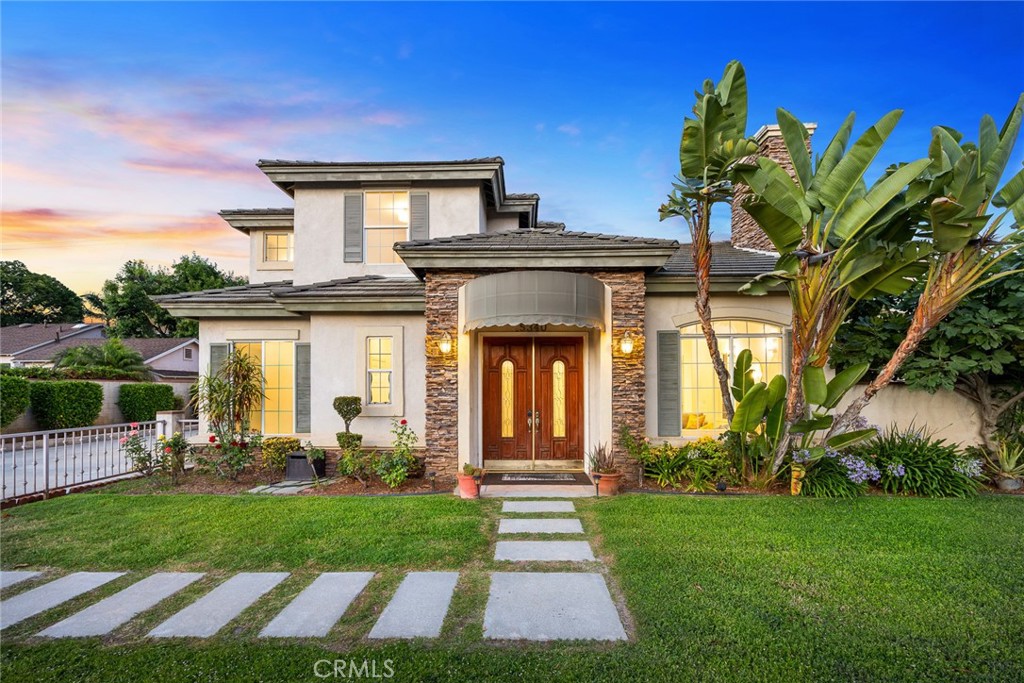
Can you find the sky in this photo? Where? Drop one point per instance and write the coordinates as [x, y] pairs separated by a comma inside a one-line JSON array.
[[128, 126]]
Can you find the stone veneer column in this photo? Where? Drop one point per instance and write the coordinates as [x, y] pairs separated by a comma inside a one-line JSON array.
[[442, 392], [629, 390]]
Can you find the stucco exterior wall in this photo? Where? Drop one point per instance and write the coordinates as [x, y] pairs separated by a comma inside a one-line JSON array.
[[176, 360], [260, 272], [502, 222], [335, 346], [944, 414], [319, 234]]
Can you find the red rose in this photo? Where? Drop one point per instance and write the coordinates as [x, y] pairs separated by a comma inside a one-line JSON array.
[[234, 443], [168, 450], [212, 438], [403, 422], [242, 445], [218, 447]]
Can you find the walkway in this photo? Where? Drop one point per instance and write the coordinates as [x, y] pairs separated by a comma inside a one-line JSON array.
[[533, 600]]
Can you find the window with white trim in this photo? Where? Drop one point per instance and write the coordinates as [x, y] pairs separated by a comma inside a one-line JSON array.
[[276, 413], [701, 402], [277, 247], [188, 354], [385, 221], [379, 370]]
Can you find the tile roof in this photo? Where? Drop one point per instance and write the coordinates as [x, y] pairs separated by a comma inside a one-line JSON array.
[[295, 162], [282, 211], [552, 238], [147, 348], [243, 294], [522, 195], [15, 338], [175, 374], [726, 260], [362, 286]]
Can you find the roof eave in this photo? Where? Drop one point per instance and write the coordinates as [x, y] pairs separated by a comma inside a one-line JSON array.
[[420, 259], [244, 222]]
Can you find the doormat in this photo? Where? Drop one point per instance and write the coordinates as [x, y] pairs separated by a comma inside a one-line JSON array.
[[537, 478]]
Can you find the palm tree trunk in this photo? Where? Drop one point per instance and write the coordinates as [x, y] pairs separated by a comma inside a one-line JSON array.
[[701, 254]]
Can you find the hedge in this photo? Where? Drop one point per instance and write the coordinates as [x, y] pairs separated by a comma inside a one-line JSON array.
[[66, 404], [14, 398], [140, 402]]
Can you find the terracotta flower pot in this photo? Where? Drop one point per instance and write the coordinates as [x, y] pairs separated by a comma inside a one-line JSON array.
[[608, 484], [468, 488]]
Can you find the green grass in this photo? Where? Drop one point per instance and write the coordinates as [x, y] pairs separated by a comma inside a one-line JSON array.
[[718, 588], [265, 533]]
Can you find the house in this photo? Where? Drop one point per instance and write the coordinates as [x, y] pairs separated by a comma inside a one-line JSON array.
[[437, 296], [170, 359], [16, 340]]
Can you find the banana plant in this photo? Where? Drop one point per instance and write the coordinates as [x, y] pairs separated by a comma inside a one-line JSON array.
[[760, 412], [968, 241], [712, 143], [839, 240]]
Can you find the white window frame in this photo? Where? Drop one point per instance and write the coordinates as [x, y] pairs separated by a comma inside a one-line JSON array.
[[368, 227], [263, 364], [261, 244], [397, 406], [187, 353]]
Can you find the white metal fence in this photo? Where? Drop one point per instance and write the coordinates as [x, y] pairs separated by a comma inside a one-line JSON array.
[[40, 463]]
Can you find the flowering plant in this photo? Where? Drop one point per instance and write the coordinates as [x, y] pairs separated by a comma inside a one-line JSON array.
[[142, 457], [393, 468], [175, 450], [229, 452]]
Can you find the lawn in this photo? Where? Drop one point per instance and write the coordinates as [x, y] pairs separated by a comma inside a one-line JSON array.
[[719, 588]]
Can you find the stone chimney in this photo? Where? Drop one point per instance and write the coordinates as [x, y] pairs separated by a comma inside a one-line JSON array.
[[746, 234]]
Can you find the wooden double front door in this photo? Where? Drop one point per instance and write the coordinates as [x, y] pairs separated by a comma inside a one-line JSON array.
[[533, 399]]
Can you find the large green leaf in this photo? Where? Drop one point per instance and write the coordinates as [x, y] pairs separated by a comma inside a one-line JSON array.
[[785, 233], [850, 438], [733, 90], [996, 163], [794, 134], [1012, 196], [775, 425], [842, 383], [953, 225], [742, 375], [864, 209], [851, 168], [828, 161], [750, 410], [812, 424], [776, 390], [901, 267], [815, 387]]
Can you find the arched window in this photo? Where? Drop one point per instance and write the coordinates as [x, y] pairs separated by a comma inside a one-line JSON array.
[[701, 402]]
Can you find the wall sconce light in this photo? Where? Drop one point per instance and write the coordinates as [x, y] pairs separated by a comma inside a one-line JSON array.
[[445, 343], [626, 344]]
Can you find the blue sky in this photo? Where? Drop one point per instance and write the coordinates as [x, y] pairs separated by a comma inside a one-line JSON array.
[[128, 126]]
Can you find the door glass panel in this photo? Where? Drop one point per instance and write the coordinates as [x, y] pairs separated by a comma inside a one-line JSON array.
[[508, 379], [558, 399]]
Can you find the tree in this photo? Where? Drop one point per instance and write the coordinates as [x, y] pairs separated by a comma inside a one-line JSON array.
[[713, 142], [960, 184], [113, 355], [975, 351], [126, 304], [27, 297]]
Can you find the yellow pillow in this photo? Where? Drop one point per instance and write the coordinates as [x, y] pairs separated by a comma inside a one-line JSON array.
[[695, 421]]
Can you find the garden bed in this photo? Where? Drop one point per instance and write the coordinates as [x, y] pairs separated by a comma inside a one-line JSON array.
[[195, 482], [346, 486]]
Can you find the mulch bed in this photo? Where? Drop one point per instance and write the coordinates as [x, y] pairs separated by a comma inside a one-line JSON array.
[[194, 482], [346, 486]]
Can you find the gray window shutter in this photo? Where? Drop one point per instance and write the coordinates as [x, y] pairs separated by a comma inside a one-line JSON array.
[[670, 416], [302, 389], [419, 216], [218, 353], [353, 227]]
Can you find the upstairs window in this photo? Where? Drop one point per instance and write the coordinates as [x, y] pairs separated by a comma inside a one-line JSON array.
[[277, 247], [386, 221]]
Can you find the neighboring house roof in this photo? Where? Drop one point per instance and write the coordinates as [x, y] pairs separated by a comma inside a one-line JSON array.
[[16, 339], [541, 238], [726, 261], [174, 374], [149, 349]]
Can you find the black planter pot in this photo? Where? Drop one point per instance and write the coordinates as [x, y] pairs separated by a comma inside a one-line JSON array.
[[297, 467]]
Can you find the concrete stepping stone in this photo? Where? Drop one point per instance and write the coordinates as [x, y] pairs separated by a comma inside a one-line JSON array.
[[540, 526], [49, 595], [317, 608], [551, 606], [118, 609], [10, 578], [538, 506], [418, 607], [544, 551], [213, 611]]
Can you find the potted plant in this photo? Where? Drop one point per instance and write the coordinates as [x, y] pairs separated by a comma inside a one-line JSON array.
[[317, 459], [1008, 466], [469, 481], [348, 408], [603, 470]]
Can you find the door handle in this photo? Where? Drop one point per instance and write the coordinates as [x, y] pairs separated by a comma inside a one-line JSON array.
[[536, 420], [529, 420]]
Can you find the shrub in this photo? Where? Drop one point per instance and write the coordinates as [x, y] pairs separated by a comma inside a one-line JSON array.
[[911, 462], [356, 464], [66, 404], [349, 440], [229, 454], [276, 450], [348, 409], [706, 462], [393, 466], [173, 452], [140, 402], [15, 394], [145, 460], [829, 476], [665, 464]]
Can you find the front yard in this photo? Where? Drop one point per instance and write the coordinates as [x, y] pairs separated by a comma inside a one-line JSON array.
[[719, 588]]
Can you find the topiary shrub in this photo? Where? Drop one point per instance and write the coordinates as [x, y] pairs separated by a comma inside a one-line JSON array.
[[140, 402], [348, 440], [276, 450], [348, 409], [66, 404], [14, 398]]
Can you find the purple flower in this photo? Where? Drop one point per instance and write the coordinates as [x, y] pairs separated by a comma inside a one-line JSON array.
[[858, 471], [968, 466], [896, 469], [802, 456]]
